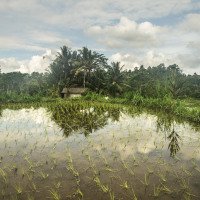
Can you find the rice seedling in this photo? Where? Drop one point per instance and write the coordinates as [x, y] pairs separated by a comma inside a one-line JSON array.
[[29, 197], [156, 191], [105, 147], [44, 175], [134, 195], [18, 189], [165, 189], [146, 180], [125, 185], [55, 194], [162, 176], [4, 175], [104, 188], [111, 195], [79, 193], [57, 185]]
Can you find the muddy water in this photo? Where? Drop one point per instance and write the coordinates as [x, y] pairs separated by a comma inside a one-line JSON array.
[[93, 153]]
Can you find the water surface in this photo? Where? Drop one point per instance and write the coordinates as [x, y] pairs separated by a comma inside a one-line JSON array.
[[97, 152]]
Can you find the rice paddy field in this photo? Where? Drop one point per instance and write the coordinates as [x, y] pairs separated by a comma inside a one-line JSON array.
[[93, 151]]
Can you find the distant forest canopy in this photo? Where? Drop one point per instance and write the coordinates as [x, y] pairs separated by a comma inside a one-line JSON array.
[[87, 68]]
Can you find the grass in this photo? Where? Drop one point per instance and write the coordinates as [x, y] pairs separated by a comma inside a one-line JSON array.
[[24, 98], [188, 109]]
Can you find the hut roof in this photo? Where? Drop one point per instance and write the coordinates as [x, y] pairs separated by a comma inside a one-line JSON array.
[[64, 91], [74, 90]]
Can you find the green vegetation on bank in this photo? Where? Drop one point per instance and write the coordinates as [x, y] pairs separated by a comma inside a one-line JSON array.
[[157, 87], [24, 98], [87, 68], [186, 109]]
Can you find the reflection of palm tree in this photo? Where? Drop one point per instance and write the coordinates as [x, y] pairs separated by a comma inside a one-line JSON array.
[[114, 114], [1, 111], [164, 122], [173, 145], [84, 119]]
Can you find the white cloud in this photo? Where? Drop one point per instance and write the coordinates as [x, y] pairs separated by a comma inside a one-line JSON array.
[[127, 33], [129, 61], [38, 25], [37, 63], [10, 64], [191, 23], [48, 37], [79, 13], [151, 58], [9, 42], [194, 46], [177, 44], [188, 63], [34, 41]]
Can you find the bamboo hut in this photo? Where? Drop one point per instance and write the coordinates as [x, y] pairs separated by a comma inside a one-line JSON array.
[[73, 92]]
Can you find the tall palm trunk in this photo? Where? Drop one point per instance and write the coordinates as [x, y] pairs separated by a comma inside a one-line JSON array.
[[84, 75]]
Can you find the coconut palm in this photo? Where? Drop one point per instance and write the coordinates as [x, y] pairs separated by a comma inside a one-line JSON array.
[[88, 62], [115, 78], [61, 70]]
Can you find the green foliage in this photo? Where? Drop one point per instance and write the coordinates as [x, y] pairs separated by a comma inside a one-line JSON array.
[[115, 79], [86, 116], [23, 98], [167, 104], [16, 98], [87, 68], [19, 83], [92, 96]]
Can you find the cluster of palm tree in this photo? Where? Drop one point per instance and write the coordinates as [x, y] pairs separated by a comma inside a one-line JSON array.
[[85, 68]]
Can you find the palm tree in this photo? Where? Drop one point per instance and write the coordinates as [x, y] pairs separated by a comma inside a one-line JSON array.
[[176, 80], [115, 78], [61, 70], [88, 62], [66, 61]]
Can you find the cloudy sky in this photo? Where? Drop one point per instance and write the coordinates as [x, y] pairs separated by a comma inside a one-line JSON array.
[[135, 32]]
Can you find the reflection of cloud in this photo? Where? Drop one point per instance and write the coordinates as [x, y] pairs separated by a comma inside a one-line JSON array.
[[139, 135], [35, 124], [129, 136], [147, 147]]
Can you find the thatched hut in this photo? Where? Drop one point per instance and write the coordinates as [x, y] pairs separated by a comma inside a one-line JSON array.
[[73, 92]]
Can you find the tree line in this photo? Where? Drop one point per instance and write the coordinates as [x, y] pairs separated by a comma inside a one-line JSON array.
[[87, 68]]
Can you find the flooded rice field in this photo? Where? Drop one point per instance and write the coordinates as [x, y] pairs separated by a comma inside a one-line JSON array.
[[97, 152]]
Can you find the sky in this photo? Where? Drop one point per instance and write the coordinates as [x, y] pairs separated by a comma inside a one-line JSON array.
[[134, 32]]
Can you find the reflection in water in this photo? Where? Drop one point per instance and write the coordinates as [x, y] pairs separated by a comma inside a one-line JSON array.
[[164, 122], [1, 110], [166, 125], [126, 154], [173, 145], [83, 119], [87, 119]]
